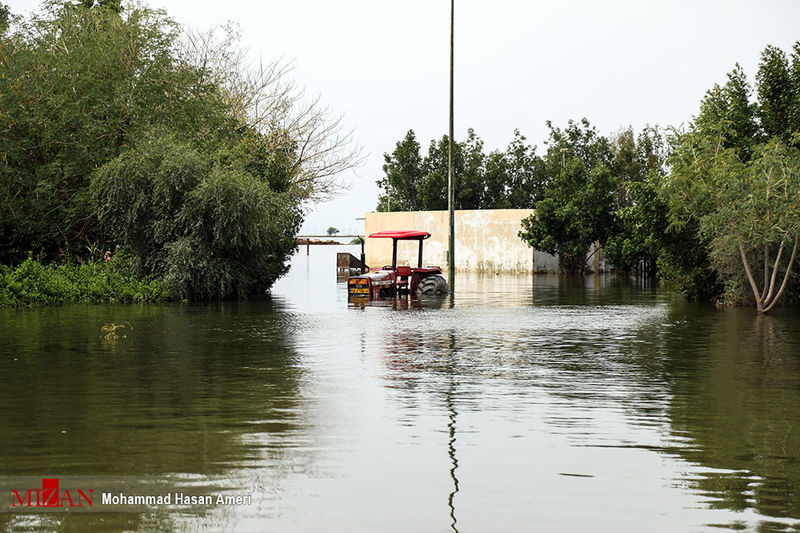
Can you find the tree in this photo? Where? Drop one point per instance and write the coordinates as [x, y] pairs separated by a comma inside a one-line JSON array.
[[775, 99], [209, 229], [510, 179], [516, 178], [332, 231], [637, 237], [794, 77], [576, 212], [402, 173], [85, 89], [433, 185], [78, 86], [5, 17], [737, 186], [727, 120], [727, 113], [269, 102], [577, 208]]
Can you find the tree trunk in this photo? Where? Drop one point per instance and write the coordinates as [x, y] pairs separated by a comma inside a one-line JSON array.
[[767, 298]]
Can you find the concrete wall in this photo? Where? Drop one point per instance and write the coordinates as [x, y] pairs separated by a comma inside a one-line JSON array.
[[486, 240]]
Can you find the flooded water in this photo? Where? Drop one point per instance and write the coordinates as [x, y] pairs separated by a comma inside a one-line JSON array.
[[517, 404]]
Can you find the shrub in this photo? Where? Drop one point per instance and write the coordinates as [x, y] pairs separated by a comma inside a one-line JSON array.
[[33, 283]]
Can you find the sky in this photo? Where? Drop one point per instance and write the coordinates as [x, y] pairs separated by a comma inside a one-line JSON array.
[[384, 66]]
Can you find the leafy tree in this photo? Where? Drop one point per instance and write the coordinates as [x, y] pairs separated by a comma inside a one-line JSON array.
[[333, 231], [727, 113], [433, 185], [78, 86], [578, 205], [515, 179], [403, 171], [470, 181], [210, 230], [736, 187], [635, 243], [482, 181], [579, 140], [774, 87], [727, 121], [5, 17], [637, 237], [794, 77], [86, 87]]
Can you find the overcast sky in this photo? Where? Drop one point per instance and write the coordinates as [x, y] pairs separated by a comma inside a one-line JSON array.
[[384, 66]]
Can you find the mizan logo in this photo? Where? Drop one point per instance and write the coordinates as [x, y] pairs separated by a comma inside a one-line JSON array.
[[50, 496]]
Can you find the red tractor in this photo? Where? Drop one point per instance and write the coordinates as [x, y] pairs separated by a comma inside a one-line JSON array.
[[391, 280]]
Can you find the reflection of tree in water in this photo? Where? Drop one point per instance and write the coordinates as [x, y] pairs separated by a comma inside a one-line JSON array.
[[735, 383], [194, 390], [726, 382]]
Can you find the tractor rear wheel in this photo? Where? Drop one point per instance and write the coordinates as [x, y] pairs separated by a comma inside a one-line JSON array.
[[433, 284]]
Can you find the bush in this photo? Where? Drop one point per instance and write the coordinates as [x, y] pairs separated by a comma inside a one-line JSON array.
[[33, 283], [210, 229]]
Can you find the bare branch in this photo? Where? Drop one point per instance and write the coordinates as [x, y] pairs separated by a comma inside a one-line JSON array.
[[263, 97]]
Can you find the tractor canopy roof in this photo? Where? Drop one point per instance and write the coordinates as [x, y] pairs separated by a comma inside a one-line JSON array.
[[410, 234]]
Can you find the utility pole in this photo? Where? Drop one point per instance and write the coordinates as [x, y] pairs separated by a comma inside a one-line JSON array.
[[450, 189]]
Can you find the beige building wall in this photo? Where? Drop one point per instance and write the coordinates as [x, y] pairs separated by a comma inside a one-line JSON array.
[[486, 240]]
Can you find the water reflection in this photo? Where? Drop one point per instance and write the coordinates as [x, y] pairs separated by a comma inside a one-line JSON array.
[[739, 411], [517, 403], [190, 390], [451, 450]]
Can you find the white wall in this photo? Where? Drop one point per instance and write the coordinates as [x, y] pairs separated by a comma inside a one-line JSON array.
[[487, 240]]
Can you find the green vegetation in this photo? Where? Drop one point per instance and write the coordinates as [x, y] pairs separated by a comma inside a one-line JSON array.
[[499, 180], [121, 130], [713, 210], [585, 188], [208, 229], [735, 180], [33, 283]]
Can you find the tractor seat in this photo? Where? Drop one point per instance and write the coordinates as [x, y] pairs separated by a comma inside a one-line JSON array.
[[403, 273]]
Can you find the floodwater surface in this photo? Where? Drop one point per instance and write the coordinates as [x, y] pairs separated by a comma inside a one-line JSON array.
[[518, 403]]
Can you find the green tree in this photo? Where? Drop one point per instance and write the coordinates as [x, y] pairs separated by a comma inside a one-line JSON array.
[[794, 77], [78, 86], [637, 237], [727, 121], [402, 174], [735, 186], [728, 114], [5, 17], [775, 94], [498, 180], [577, 208], [85, 89], [332, 231], [209, 229], [578, 140], [525, 177], [433, 185], [470, 186]]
